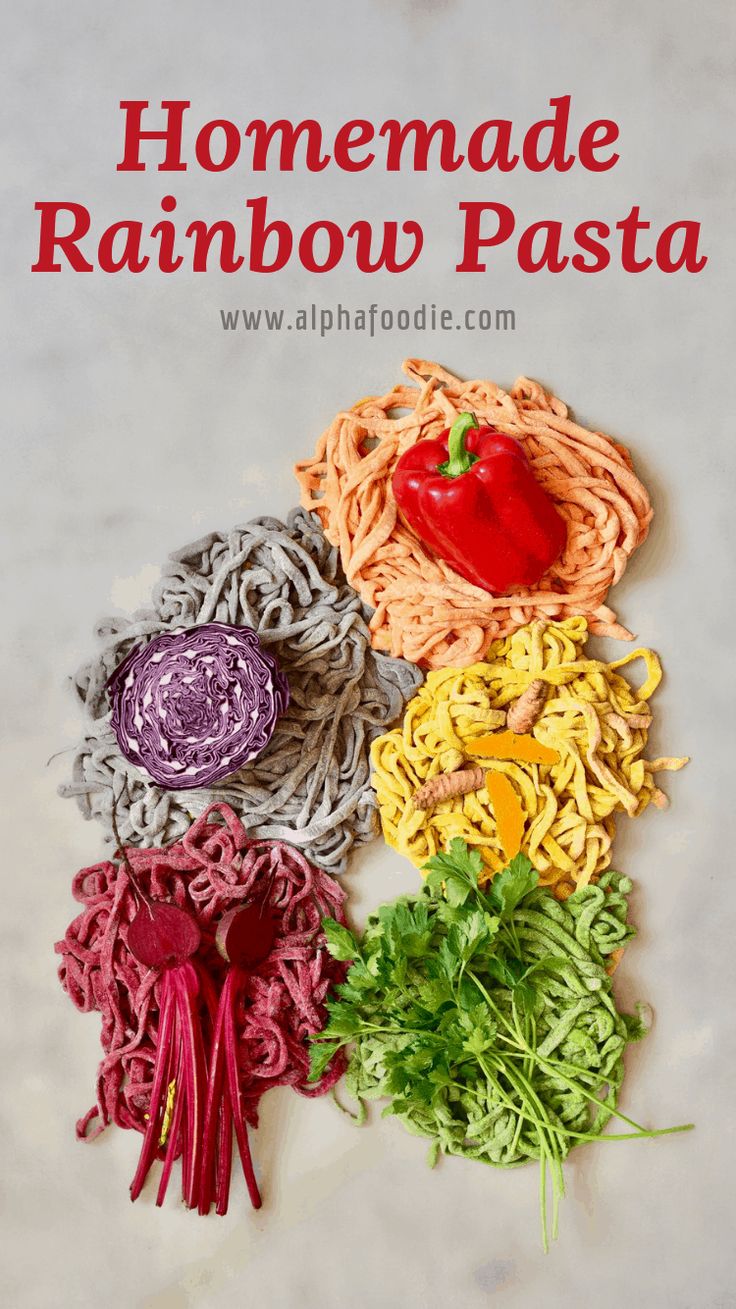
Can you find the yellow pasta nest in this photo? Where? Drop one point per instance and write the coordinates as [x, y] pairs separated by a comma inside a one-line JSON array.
[[594, 720]]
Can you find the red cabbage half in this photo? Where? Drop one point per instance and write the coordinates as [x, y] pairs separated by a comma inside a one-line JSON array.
[[193, 706]]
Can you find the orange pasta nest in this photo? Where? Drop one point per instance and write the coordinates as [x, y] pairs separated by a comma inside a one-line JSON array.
[[424, 611]]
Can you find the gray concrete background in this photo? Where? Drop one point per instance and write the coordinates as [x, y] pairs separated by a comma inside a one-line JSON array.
[[133, 423]]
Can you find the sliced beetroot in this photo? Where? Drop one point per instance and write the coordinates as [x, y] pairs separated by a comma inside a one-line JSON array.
[[162, 934], [245, 936]]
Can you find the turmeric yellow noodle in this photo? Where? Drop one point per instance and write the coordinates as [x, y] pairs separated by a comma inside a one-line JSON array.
[[595, 721]]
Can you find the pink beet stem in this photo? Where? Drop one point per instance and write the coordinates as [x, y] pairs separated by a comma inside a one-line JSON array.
[[225, 1156], [213, 1111], [161, 1069], [174, 1135], [225, 1125], [187, 984], [241, 1130]]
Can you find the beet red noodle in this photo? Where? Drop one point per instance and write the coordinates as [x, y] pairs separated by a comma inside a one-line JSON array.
[[213, 868]]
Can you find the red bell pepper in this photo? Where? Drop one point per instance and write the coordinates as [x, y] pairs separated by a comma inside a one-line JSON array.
[[471, 495]]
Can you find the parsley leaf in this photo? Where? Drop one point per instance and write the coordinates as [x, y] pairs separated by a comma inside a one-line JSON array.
[[509, 887], [456, 871], [344, 1019], [320, 1055], [340, 940]]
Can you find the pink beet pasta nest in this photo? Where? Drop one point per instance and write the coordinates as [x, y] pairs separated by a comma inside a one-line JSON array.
[[213, 868]]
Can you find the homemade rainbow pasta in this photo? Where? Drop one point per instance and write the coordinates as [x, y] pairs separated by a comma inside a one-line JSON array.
[[240, 741], [592, 727], [423, 609]]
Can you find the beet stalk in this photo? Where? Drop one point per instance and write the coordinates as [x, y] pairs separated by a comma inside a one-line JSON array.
[[244, 937], [163, 936]]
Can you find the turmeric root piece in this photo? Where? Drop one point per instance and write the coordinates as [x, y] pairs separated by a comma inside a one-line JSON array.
[[510, 746], [524, 712], [508, 812], [447, 785]]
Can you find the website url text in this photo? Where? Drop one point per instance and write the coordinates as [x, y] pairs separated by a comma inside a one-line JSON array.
[[318, 319]]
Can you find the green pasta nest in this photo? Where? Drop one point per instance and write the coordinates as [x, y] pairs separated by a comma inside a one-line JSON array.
[[486, 1017]]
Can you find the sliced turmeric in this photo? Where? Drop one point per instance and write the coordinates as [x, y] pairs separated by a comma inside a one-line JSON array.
[[508, 812], [509, 746], [168, 1113]]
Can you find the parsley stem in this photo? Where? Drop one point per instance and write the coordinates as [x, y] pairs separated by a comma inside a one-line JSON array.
[[492, 1005], [543, 1202], [565, 1131], [548, 1148], [557, 1067]]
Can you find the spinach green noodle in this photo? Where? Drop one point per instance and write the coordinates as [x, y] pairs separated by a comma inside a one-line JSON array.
[[487, 1018], [311, 784]]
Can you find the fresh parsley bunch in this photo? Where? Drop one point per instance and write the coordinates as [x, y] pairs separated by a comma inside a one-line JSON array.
[[485, 1016]]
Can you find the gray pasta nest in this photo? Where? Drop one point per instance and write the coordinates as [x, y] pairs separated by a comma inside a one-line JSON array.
[[311, 785]]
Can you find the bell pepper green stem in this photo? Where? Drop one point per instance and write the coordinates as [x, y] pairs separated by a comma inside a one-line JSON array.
[[460, 459]]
